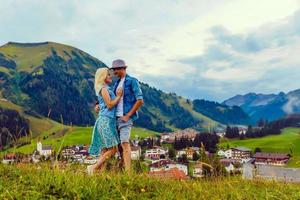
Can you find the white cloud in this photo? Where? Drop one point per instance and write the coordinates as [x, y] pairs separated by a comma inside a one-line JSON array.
[[154, 37], [291, 105]]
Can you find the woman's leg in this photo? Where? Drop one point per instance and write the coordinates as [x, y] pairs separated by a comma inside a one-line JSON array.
[[103, 166], [103, 157]]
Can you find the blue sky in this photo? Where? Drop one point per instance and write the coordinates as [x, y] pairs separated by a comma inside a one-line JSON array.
[[199, 49]]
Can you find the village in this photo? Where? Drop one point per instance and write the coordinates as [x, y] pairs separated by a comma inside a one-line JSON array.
[[160, 157]]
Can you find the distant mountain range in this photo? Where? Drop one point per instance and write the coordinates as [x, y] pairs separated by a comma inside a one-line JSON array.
[[267, 106], [54, 80]]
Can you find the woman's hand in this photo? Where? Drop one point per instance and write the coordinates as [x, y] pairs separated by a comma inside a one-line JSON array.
[[119, 92], [97, 108]]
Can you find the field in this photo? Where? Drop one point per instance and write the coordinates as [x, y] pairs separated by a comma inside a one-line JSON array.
[[287, 142], [41, 182], [57, 134], [65, 135]]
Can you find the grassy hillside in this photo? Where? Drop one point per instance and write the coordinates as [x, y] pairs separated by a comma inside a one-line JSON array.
[[37, 125], [40, 182], [59, 136], [287, 142], [28, 56], [208, 123], [49, 79], [169, 111]]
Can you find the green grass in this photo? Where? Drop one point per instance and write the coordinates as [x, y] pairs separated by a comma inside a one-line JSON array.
[[287, 142], [40, 182], [208, 123], [83, 135], [23, 55], [69, 136], [64, 135], [37, 125]]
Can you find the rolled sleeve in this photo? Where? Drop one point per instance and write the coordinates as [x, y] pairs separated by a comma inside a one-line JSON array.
[[137, 89]]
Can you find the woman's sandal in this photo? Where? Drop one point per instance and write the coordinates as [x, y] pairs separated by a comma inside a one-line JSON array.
[[90, 170]]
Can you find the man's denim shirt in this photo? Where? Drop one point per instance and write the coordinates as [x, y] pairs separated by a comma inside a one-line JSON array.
[[132, 93]]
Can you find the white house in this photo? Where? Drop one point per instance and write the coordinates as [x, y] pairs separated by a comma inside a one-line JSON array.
[[225, 153], [167, 165], [45, 150], [220, 134], [180, 153], [9, 158], [165, 136], [178, 166], [240, 153], [136, 152], [228, 164], [68, 152], [155, 153], [189, 151], [198, 170], [90, 161], [229, 167]]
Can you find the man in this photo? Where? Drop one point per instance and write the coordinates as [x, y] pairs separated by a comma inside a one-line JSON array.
[[127, 108]]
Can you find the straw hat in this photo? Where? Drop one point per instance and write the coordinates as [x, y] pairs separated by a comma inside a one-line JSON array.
[[118, 64]]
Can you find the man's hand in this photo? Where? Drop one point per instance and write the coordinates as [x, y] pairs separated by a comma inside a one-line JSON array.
[[125, 118], [97, 108]]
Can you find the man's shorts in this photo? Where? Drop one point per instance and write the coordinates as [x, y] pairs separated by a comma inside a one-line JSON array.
[[124, 129]]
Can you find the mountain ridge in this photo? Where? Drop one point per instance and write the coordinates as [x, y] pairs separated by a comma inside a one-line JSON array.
[[56, 81], [267, 106]]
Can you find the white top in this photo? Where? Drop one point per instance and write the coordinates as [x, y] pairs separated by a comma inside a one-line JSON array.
[[120, 111]]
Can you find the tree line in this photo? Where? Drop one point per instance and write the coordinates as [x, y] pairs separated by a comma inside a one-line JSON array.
[[209, 140], [264, 128], [12, 126]]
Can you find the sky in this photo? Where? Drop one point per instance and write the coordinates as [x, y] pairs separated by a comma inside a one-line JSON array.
[[199, 49]]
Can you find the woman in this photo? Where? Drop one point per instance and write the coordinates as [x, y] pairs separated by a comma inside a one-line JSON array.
[[105, 137]]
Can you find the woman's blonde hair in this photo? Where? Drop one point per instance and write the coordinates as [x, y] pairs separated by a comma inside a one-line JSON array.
[[100, 77]]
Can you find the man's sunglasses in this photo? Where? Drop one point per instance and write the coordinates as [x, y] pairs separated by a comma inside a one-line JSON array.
[[119, 68]]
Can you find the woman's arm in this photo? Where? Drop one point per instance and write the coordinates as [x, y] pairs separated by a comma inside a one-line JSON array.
[[107, 100]]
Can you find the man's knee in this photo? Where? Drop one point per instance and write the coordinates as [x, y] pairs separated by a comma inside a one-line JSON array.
[[124, 130]]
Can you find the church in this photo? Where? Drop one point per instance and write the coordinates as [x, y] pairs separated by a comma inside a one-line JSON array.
[[45, 150]]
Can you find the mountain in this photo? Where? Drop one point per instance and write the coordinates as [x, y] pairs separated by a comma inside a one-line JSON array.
[[250, 99], [267, 106], [293, 104], [56, 81], [49, 79], [222, 113]]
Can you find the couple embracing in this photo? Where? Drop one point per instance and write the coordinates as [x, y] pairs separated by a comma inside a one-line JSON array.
[[118, 107]]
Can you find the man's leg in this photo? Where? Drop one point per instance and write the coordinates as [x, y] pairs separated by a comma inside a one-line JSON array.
[[126, 156], [121, 161], [125, 130]]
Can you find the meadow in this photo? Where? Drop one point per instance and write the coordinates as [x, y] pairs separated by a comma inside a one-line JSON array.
[[59, 136], [287, 142], [29, 181]]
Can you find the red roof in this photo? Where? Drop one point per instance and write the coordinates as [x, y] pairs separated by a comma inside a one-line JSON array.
[[10, 156], [227, 161], [275, 156], [161, 163], [173, 173]]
